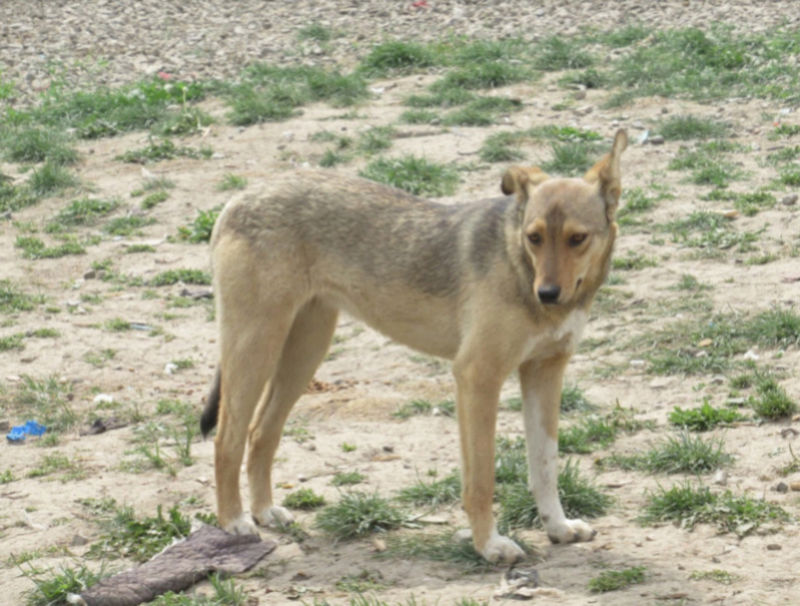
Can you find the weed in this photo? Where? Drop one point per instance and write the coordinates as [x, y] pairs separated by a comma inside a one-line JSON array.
[[84, 211], [57, 463], [152, 200], [632, 261], [583, 437], [704, 418], [164, 149], [420, 116], [347, 478], [482, 111], [707, 163], [202, 226], [53, 587], [574, 399], [13, 300], [347, 447], [772, 402], [501, 147], [231, 182], [493, 74], [424, 407], [681, 453], [723, 577], [710, 232], [690, 505], [117, 325], [375, 139], [185, 276], [304, 498], [315, 31], [556, 53], [396, 57], [35, 248], [614, 580], [188, 121], [6, 477], [442, 546], [49, 400], [35, 144], [685, 127], [357, 514], [413, 174], [127, 536], [50, 178], [433, 494], [571, 158]]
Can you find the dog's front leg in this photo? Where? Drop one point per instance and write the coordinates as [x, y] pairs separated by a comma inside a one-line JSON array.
[[477, 396], [541, 383]]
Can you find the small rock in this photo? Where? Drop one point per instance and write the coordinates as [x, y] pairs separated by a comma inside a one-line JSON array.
[[794, 486], [789, 200], [5, 425], [90, 275], [78, 541], [656, 140], [721, 477], [388, 448], [782, 487], [774, 547], [103, 398], [170, 368]]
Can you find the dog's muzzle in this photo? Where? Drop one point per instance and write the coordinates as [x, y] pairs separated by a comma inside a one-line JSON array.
[[549, 293]]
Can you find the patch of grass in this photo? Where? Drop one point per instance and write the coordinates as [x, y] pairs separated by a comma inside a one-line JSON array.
[[420, 116], [127, 225], [711, 233], [11, 342], [501, 147], [614, 580], [723, 577], [425, 407], [585, 436], [413, 174], [358, 514], [482, 111], [375, 139], [52, 587], [268, 93], [15, 197], [557, 53], [231, 182], [153, 184], [686, 127], [35, 248], [304, 498], [691, 505], [707, 163], [790, 176], [48, 400], [57, 463], [711, 64], [84, 211], [749, 204], [771, 401], [188, 121], [50, 178], [150, 201], [434, 493], [186, 276], [680, 453], [441, 97], [315, 31], [6, 477], [226, 593], [572, 158], [442, 546], [632, 261], [347, 478], [13, 300], [164, 149], [127, 536], [35, 144], [704, 418], [579, 497], [199, 231], [397, 57]]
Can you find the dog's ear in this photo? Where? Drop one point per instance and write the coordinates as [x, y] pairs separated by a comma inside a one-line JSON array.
[[607, 175], [516, 179]]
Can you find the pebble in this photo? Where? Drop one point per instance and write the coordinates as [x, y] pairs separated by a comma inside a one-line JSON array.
[[720, 477], [789, 200]]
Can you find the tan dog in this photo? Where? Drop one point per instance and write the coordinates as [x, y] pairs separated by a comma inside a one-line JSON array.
[[496, 286]]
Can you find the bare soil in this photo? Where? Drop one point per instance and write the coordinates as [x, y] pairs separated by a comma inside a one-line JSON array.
[[367, 376]]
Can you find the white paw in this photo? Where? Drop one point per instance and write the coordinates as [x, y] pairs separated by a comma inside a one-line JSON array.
[[570, 531], [242, 524], [274, 517], [500, 549]]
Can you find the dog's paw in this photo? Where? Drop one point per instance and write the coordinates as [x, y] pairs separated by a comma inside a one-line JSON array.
[[501, 550], [274, 517], [242, 524], [571, 531]]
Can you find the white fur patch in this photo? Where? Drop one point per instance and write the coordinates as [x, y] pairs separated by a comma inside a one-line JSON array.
[[562, 338]]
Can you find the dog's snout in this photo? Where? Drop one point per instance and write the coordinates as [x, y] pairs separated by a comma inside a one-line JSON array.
[[549, 293]]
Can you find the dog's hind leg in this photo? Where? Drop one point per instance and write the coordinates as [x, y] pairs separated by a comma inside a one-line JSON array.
[[302, 353], [541, 383]]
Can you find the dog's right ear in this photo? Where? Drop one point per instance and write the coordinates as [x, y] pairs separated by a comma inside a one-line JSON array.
[[517, 178]]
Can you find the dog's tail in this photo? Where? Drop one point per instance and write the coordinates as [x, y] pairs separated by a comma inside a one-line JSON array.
[[208, 420]]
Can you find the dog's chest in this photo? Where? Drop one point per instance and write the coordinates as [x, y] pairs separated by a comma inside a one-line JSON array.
[[556, 339]]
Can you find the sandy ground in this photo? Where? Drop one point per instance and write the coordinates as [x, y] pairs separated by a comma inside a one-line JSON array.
[[368, 377]]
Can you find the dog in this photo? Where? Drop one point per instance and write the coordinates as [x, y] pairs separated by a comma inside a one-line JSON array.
[[496, 286]]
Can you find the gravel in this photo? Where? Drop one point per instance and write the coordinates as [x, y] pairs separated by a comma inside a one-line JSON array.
[[110, 42]]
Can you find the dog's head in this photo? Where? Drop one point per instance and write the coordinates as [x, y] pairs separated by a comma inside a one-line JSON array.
[[568, 226]]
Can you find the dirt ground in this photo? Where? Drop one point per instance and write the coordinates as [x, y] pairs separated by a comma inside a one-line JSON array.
[[368, 377]]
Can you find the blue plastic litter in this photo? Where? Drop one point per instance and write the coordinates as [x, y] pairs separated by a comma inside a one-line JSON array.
[[31, 428]]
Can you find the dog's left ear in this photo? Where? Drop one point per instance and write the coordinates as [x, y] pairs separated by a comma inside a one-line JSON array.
[[517, 178], [606, 174]]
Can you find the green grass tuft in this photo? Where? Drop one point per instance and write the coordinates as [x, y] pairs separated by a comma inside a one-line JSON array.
[[358, 514], [614, 580], [304, 498], [704, 418], [413, 174]]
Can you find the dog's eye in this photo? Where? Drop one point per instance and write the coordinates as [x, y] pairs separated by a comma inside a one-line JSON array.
[[535, 238], [577, 239]]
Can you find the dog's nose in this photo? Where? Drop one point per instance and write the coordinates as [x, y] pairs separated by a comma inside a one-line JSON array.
[[548, 293]]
